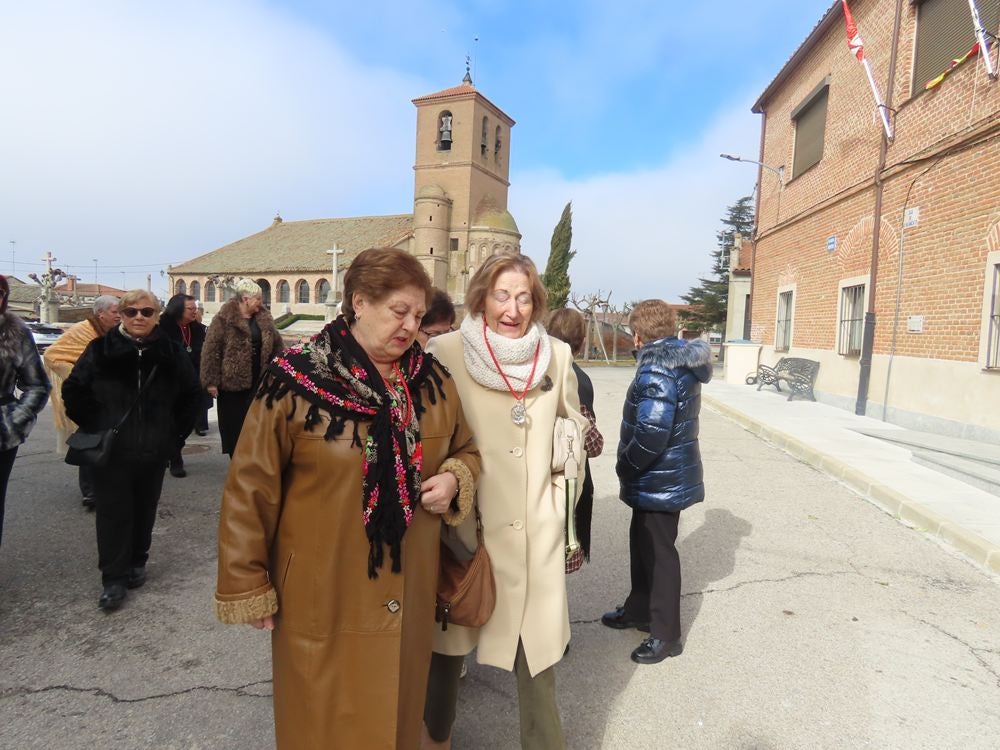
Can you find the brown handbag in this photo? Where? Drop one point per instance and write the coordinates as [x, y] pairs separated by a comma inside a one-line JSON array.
[[466, 592]]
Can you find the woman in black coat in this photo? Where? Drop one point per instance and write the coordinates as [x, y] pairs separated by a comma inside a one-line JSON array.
[[660, 471], [21, 368], [179, 322], [133, 370]]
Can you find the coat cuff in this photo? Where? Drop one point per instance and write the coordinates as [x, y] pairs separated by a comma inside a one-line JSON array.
[[462, 504], [240, 609]]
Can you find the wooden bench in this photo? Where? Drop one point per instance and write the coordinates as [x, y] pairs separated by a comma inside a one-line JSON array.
[[797, 373]]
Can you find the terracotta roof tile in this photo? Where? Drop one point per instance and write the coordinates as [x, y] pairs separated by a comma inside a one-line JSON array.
[[90, 290], [300, 245], [461, 91]]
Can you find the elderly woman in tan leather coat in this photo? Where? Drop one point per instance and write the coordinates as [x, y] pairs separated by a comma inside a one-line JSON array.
[[514, 380], [353, 452]]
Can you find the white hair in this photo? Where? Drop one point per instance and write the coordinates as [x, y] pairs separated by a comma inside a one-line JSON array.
[[104, 302], [248, 288]]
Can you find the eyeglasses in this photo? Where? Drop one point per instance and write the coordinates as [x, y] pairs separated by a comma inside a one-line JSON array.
[[146, 312], [432, 334]]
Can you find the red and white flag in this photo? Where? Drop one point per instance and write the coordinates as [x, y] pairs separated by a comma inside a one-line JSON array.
[[854, 41], [857, 47]]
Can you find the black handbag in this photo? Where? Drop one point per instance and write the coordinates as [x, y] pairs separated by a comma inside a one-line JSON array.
[[94, 448]]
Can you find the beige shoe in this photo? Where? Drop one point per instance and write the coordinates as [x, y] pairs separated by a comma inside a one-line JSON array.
[[426, 743]]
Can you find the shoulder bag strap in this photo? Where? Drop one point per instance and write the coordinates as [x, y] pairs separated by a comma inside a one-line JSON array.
[[152, 374]]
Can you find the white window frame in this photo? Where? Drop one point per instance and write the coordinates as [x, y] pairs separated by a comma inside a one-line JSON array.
[[841, 286], [989, 356], [785, 289]]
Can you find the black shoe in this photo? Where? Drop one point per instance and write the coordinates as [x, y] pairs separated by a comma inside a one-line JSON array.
[[619, 621], [137, 577], [653, 650], [112, 597], [90, 503], [177, 469], [200, 432]]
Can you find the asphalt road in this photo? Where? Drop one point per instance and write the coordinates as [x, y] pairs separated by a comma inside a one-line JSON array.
[[811, 620]]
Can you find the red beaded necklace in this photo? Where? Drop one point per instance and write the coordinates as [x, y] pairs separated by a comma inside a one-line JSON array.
[[518, 412], [408, 401]]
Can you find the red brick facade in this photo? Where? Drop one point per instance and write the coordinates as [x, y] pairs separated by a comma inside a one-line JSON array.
[[944, 160]]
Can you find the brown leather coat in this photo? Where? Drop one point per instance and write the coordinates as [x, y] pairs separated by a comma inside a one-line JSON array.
[[350, 654]]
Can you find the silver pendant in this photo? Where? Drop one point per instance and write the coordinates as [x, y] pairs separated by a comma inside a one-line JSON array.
[[518, 414], [188, 349]]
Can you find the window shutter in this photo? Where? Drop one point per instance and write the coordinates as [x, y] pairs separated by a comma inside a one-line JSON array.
[[810, 126], [944, 32]]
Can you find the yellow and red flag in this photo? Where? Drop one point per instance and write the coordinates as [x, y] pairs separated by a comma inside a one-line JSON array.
[[951, 66]]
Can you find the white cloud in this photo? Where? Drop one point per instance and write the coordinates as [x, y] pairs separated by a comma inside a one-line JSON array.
[[647, 233], [138, 135]]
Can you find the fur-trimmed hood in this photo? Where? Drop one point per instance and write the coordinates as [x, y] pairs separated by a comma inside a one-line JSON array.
[[12, 332], [673, 353]]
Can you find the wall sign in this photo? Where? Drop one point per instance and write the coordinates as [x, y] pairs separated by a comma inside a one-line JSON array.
[[911, 217], [831, 243], [915, 324]]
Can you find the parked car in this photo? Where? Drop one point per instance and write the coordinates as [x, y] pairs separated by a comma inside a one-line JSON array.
[[44, 335]]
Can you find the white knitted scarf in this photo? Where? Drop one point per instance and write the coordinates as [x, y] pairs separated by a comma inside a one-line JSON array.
[[516, 356]]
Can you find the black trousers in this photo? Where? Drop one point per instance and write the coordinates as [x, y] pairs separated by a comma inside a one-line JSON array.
[[656, 573], [206, 404], [6, 464], [87, 482], [127, 496], [232, 410]]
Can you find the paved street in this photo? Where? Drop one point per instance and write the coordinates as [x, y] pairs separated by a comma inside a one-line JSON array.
[[812, 619]]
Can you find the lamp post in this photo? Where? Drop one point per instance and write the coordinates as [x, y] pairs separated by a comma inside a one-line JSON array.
[[779, 171]]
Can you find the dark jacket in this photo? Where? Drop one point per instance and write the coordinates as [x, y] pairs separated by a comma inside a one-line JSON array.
[[172, 330], [227, 357], [106, 379], [659, 463], [585, 505], [20, 366]]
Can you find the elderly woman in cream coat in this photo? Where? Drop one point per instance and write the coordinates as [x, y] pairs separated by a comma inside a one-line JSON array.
[[514, 381]]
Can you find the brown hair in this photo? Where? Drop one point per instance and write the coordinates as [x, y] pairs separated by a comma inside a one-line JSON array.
[[567, 325], [652, 319], [485, 278], [379, 271], [440, 310], [135, 295]]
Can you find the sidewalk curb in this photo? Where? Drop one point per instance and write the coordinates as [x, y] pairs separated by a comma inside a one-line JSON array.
[[893, 502]]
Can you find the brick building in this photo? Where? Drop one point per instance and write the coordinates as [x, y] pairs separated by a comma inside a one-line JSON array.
[[459, 218], [932, 274]]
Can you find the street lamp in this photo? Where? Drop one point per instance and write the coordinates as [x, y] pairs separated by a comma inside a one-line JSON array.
[[780, 171]]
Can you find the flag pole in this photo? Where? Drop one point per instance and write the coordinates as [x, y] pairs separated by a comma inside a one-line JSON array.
[[984, 42], [882, 109]]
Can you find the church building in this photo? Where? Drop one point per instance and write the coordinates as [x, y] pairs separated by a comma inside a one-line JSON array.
[[459, 218]]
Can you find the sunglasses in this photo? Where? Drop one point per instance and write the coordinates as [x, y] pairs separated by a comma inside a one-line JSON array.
[[146, 312]]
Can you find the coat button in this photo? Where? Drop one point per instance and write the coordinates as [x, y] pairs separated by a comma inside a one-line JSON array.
[[518, 452], [518, 524], [393, 606]]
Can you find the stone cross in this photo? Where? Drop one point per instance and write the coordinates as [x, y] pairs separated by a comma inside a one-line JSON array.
[[335, 288]]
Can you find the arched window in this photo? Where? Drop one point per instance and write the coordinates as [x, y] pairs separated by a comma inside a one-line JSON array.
[[485, 140], [322, 291], [265, 292], [496, 146], [180, 287], [195, 290], [444, 131], [283, 291], [302, 292], [210, 291]]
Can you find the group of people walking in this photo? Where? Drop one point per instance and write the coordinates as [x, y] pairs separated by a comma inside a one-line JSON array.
[[355, 454], [388, 431]]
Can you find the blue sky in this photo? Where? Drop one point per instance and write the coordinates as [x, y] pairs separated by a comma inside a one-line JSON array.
[[143, 134]]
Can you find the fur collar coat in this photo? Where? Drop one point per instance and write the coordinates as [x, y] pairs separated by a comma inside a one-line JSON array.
[[226, 357]]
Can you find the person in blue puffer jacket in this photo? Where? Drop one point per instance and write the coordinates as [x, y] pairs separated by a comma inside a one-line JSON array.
[[660, 472]]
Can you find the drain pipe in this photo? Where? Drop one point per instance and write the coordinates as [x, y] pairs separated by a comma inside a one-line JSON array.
[[868, 342]]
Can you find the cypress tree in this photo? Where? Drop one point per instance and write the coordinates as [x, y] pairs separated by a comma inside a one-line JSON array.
[[556, 276]]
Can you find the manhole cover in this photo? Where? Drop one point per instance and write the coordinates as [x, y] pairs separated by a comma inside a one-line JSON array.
[[194, 450]]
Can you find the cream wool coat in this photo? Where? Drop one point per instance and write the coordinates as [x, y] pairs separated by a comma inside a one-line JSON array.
[[523, 509]]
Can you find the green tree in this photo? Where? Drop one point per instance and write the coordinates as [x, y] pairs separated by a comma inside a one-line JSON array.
[[709, 300], [556, 276]]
